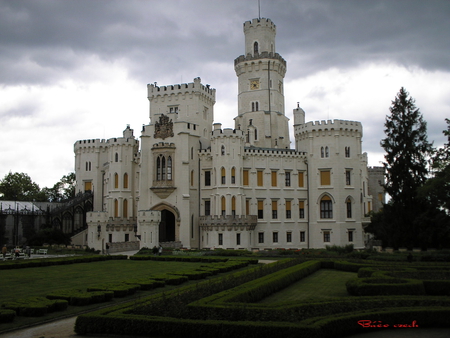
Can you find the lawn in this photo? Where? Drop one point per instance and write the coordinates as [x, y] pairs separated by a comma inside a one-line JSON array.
[[320, 285], [21, 283]]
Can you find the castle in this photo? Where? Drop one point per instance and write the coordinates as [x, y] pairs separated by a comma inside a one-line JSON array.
[[189, 183]]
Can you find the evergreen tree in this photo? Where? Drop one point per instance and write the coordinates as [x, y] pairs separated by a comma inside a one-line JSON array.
[[406, 167]]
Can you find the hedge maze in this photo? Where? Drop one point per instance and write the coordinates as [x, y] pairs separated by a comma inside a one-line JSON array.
[[383, 295]]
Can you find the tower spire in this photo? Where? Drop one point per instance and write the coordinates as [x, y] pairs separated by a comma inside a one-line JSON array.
[[259, 9]]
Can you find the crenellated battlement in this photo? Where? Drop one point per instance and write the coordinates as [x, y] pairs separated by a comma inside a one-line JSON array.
[[258, 56], [259, 22], [227, 132], [329, 125], [180, 89], [102, 143], [271, 152]]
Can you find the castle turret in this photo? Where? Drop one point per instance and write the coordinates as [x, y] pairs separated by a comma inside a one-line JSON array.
[[260, 99]]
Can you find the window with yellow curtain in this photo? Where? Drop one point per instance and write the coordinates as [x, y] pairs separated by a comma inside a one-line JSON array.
[[245, 177], [223, 175], [301, 178], [259, 178], [116, 208], [125, 208], [301, 209], [325, 177], [87, 186], [116, 181], [224, 204], [275, 209], [274, 178], [125, 181], [233, 206], [192, 178], [233, 175], [288, 209], [260, 209], [247, 207]]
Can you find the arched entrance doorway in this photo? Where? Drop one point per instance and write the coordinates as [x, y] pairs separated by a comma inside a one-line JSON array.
[[167, 226]]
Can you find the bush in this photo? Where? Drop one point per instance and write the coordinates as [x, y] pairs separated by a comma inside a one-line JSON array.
[[7, 316], [375, 286], [80, 298], [35, 306]]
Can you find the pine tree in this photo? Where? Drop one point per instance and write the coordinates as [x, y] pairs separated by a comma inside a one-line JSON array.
[[406, 167]]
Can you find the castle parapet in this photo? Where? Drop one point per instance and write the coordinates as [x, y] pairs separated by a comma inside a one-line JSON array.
[[257, 56], [183, 88], [227, 132]]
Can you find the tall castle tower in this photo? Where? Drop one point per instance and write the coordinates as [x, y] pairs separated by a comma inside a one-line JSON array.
[[260, 75]]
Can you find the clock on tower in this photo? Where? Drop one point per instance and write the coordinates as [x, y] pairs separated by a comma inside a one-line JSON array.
[[254, 84]]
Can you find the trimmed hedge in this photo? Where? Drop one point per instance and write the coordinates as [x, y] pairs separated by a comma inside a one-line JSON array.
[[80, 298], [35, 306], [7, 316], [119, 289], [376, 286]]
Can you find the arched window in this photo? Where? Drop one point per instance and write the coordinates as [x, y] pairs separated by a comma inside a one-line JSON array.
[[256, 134], [158, 168], [223, 175], [256, 106], [322, 152], [233, 175], [326, 207], [192, 153], [163, 168], [348, 204], [347, 151], [253, 106], [116, 157], [222, 150], [327, 154], [125, 208], [255, 47], [223, 205], [116, 181], [125, 181], [169, 168], [116, 208]]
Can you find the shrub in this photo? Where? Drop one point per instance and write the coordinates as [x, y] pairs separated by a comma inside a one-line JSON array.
[[7, 316], [35, 306]]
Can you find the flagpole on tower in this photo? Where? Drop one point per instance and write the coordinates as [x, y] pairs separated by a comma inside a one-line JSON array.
[[259, 9]]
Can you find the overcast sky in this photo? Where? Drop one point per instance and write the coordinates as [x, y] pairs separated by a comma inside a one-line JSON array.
[[73, 70]]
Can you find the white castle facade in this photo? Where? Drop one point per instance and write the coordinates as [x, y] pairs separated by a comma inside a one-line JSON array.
[[189, 183]]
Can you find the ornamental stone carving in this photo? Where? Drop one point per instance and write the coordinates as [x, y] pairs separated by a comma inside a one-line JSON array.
[[163, 128]]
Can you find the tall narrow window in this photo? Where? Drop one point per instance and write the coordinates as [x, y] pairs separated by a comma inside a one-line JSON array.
[[163, 168], [192, 178], [259, 178], [116, 208], [223, 205], [247, 207], [222, 150], [301, 209], [350, 235], [169, 168], [223, 175], [348, 204], [326, 236], [158, 168], [302, 236], [207, 178], [348, 176], [125, 181], [245, 177], [116, 157], [347, 151], [116, 181], [322, 152], [125, 208], [301, 179], [326, 207], [233, 175], [238, 239], [255, 47], [327, 153], [287, 178], [260, 237], [274, 209], [260, 209], [207, 207], [288, 209], [220, 239], [275, 237], [233, 206], [274, 178]]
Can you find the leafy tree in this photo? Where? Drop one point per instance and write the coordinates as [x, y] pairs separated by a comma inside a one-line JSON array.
[[20, 187], [437, 188], [62, 190], [407, 152]]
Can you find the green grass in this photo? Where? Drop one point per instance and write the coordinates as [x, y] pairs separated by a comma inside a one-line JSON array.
[[320, 285], [21, 283]]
